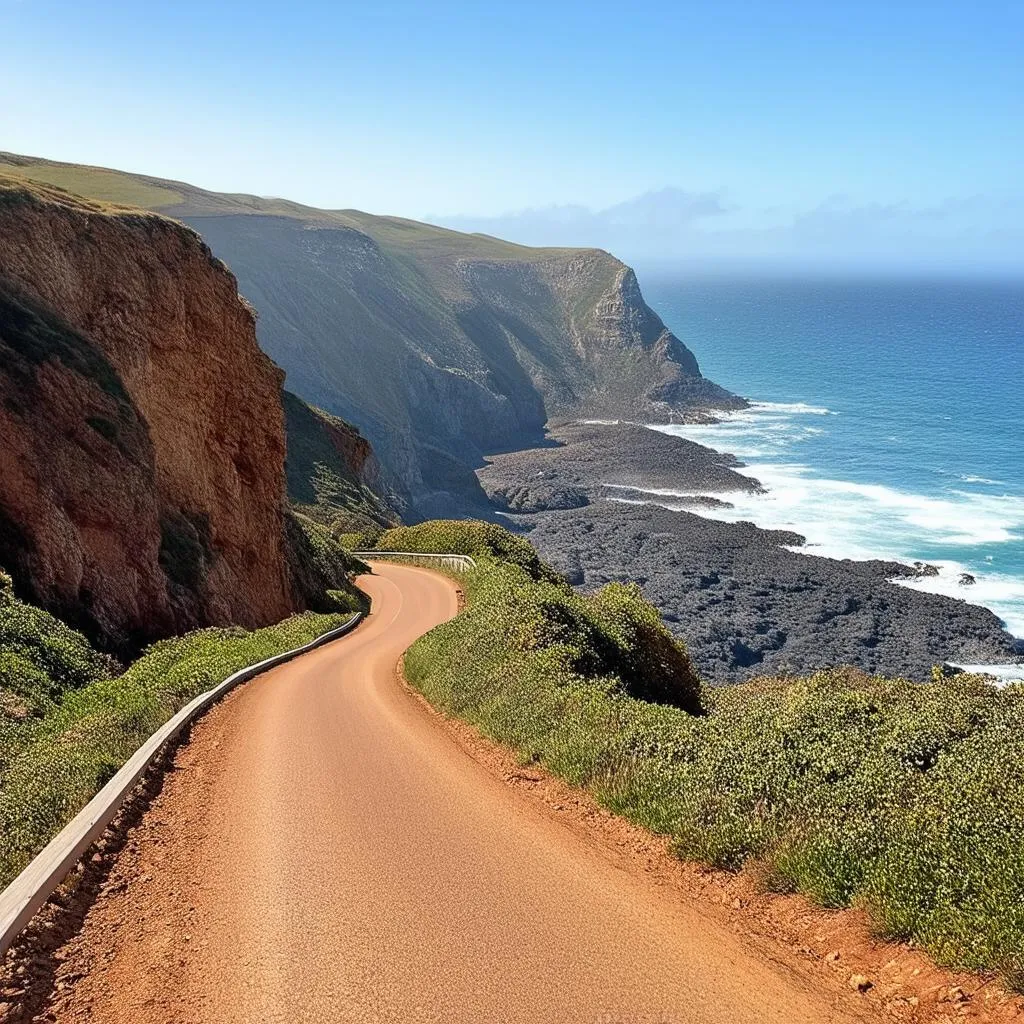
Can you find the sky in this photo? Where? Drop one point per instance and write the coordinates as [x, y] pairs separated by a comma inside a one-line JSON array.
[[732, 131]]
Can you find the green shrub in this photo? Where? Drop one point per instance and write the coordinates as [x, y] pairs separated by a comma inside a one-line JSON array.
[[544, 626], [359, 540], [63, 655], [20, 678], [902, 797], [348, 601], [467, 537], [653, 664], [321, 568]]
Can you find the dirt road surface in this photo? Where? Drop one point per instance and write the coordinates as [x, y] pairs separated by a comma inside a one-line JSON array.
[[324, 851]]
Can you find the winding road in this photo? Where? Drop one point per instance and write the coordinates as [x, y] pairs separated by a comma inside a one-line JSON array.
[[325, 851]]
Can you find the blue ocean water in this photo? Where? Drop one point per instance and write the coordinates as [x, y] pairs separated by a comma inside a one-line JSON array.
[[889, 416]]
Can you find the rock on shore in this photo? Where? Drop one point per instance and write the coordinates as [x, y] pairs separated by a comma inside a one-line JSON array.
[[745, 605], [586, 461]]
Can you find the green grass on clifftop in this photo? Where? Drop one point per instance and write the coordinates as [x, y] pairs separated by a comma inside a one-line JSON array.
[[69, 719], [904, 798], [325, 470], [95, 182]]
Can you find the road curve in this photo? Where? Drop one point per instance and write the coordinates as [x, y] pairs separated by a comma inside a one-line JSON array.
[[324, 851]]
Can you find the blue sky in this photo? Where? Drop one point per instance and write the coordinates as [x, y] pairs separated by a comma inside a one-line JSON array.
[[740, 128]]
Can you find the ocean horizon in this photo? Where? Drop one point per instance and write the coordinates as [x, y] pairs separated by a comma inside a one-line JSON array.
[[885, 419]]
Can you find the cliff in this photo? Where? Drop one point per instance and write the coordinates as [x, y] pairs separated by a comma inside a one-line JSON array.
[[442, 346], [142, 471], [446, 347], [333, 474]]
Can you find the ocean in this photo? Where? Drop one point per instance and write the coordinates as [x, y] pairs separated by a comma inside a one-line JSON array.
[[887, 417]]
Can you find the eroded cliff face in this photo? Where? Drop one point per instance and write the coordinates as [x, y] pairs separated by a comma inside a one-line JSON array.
[[445, 347], [589, 343], [333, 474], [142, 464]]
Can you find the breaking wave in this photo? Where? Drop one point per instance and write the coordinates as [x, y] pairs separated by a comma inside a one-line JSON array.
[[957, 529]]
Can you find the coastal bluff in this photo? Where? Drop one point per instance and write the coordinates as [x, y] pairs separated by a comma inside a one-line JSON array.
[[142, 487]]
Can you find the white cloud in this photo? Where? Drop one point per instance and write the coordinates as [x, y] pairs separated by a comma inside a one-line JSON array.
[[673, 223], [654, 218]]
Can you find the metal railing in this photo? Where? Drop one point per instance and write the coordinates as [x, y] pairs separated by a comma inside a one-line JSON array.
[[20, 901], [23, 898], [457, 563]]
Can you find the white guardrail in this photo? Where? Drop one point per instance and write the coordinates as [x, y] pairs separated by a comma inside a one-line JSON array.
[[457, 563], [20, 901], [23, 898]]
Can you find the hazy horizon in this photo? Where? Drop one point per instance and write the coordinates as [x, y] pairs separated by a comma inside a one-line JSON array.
[[672, 227], [788, 134]]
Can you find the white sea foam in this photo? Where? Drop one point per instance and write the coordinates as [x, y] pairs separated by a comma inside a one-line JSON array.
[[799, 408], [846, 519], [1003, 673], [763, 431]]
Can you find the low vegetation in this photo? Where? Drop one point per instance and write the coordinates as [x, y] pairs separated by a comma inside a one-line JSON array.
[[326, 470], [468, 537], [904, 798], [102, 185], [69, 718], [321, 567]]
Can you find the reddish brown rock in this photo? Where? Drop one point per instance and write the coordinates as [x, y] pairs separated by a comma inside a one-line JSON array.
[[142, 466]]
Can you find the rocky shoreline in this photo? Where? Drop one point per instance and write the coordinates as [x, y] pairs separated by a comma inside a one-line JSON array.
[[589, 461], [745, 605]]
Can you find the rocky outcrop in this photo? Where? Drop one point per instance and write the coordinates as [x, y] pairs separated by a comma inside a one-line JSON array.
[[333, 474], [142, 470], [747, 607], [640, 371], [584, 462]]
